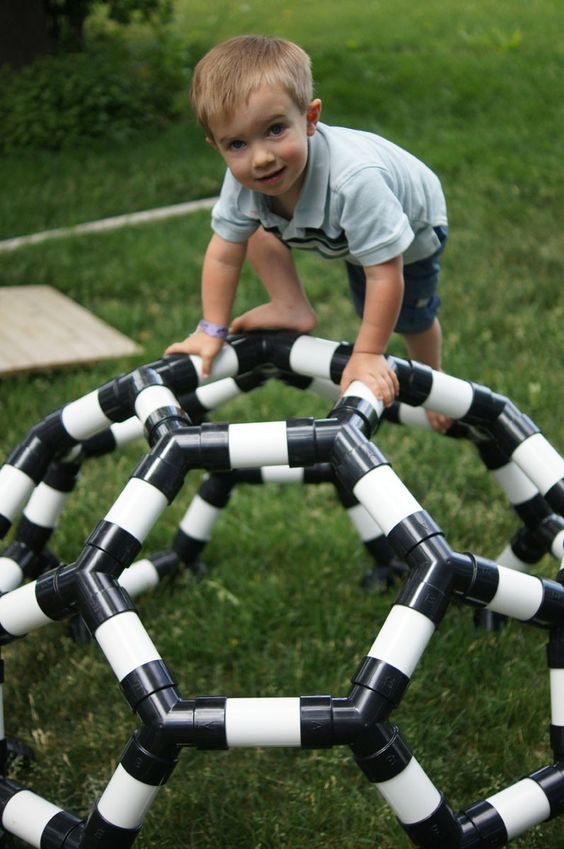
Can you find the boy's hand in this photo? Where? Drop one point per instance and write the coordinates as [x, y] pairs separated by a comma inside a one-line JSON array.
[[200, 344], [373, 370]]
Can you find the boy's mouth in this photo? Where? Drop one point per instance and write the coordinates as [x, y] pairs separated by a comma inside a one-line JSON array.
[[270, 179]]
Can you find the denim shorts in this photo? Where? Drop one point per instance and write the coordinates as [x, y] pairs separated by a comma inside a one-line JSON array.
[[420, 299]]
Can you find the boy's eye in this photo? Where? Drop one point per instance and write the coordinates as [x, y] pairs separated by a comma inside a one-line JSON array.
[[276, 130], [236, 144]]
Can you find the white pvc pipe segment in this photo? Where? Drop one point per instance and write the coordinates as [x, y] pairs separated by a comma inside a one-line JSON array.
[[45, 506], [312, 356], [518, 595], [258, 444], [403, 638], [125, 800], [263, 722], [325, 389], [200, 519], [84, 418], [557, 696], [19, 611], [139, 578], [385, 497], [15, 489], [540, 462], [366, 527], [414, 417], [557, 547], [137, 508], [213, 395], [509, 559], [125, 643], [26, 816], [11, 574], [449, 395], [411, 795], [521, 806], [515, 483], [153, 398], [282, 474], [127, 431]]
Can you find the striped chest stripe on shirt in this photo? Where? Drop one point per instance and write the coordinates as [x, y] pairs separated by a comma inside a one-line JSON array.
[[315, 240]]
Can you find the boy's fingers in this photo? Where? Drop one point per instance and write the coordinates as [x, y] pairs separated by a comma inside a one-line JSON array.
[[387, 396], [387, 390], [208, 356], [175, 348], [206, 366], [392, 387]]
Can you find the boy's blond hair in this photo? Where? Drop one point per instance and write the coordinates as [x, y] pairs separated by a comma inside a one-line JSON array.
[[232, 71]]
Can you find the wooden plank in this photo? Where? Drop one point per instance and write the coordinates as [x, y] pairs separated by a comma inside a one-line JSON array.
[[42, 329]]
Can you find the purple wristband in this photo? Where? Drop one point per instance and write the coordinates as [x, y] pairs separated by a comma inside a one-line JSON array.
[[217, 331]]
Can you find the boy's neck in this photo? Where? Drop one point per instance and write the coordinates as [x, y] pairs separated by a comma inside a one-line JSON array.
[[283, 207]]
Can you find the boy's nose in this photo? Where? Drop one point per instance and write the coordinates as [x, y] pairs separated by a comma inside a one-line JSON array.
[[262, 156]]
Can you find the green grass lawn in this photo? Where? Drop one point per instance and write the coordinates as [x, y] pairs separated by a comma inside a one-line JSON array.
[[474, 90]]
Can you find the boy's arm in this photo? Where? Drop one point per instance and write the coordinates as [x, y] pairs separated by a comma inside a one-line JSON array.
[[220, 277], [384, 292]]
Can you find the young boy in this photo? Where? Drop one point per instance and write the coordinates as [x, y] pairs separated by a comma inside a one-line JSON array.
[[293, 182]]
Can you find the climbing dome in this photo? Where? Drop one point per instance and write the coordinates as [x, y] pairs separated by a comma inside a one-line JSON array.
[[167, 402]]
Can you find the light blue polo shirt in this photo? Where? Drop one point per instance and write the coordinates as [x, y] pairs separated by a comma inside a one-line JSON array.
[[364, 200]]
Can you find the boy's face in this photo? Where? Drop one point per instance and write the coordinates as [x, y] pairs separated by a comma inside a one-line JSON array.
[[264, 144]]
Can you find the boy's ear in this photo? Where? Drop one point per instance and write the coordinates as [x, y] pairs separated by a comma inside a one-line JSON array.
[[211, 142], [312, 115]]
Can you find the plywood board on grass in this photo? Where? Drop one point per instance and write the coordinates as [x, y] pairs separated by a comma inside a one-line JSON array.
[[42, 329]]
